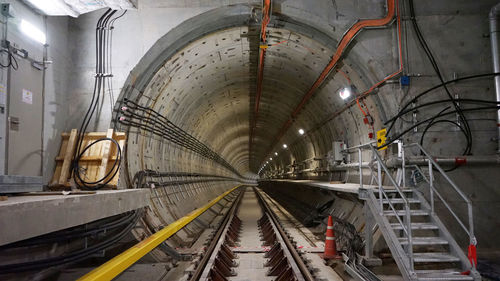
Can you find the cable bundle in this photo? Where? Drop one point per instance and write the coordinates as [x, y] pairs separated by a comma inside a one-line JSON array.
[[103, 36], [456, 103], [102, 236], [135, 115]]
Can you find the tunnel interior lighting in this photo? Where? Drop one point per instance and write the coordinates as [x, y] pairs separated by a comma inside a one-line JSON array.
[[32, 32], [285, 146], [301, 131], [345, 93]]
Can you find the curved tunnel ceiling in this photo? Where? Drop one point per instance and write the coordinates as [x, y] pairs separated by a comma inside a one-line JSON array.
[[202, 77]]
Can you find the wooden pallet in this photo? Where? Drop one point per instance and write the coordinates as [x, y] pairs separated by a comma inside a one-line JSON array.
[[95, 163]]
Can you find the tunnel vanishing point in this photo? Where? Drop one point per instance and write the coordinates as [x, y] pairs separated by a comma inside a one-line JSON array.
[[235, 140]]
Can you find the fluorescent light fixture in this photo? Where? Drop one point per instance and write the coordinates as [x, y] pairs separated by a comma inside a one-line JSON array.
[[301, 131], [285, 146], [276, 153], [32, 32], [345, 93]]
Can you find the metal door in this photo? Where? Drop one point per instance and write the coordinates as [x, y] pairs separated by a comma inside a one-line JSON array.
[[24, 120]]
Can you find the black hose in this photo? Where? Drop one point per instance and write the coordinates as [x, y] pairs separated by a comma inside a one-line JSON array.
[[434, 64], [74, 256], [104, 24], [432, 123], [393, 139], [99, 183]]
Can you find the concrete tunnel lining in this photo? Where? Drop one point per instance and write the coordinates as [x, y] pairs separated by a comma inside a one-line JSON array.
[[219, 56], [316, 49]]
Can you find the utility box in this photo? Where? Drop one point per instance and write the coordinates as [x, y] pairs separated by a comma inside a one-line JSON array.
[[337, 148]]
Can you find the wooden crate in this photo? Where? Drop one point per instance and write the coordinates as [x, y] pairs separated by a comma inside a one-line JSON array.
[[95, 163]]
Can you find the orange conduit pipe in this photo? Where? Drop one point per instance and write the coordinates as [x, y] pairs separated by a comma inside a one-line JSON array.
[[262, 54], [344, 43], [375, 86]]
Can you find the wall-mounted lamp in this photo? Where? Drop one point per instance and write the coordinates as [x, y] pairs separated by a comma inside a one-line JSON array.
[[345, 93]]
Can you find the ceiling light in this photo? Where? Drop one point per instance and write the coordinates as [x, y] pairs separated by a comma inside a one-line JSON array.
[[33, 32], [271, 159], [345, 93], [285, 146], [75, 8], [276, 153]]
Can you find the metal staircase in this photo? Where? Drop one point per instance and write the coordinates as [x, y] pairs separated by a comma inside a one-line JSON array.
[[409, 224]]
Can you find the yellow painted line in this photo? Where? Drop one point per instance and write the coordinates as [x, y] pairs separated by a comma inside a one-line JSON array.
[[120, 263]]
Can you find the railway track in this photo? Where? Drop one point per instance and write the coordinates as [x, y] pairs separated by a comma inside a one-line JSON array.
[[250, 244]]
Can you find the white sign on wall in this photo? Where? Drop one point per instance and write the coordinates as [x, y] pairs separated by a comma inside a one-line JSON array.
[[27, 97], [3, 94]]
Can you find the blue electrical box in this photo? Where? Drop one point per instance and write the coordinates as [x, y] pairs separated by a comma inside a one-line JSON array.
[[404, 80]]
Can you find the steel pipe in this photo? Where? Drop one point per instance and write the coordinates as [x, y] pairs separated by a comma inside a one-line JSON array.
[[495, 51]]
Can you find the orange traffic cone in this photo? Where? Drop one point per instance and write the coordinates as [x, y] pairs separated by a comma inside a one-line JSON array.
[[330, 245]]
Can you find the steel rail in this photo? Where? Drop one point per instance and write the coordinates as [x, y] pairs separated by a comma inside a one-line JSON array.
[[295, 259], [120, 263], [204, 266]]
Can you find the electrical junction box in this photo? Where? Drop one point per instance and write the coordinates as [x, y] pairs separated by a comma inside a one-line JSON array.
[[337, 148], [7, 10], [404, 80]]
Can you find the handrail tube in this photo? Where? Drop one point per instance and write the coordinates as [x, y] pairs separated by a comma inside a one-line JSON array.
[[360, 158], [454, 215], [442, 172], [397, 217], [120, 263], [389, 176], [431, 185], [368, 144], [466, 199], [406, 204], [494, 18]]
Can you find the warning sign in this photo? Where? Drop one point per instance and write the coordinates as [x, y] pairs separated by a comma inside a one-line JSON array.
[[27, 97], [381, 138]]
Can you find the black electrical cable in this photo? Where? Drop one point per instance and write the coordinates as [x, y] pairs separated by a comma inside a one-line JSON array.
[[393, 139], [433, 61], [65, 235], [108, 176], [145, 118], [11, 60], [432, 123], [392, 120], [104, 24], [74, 256], [406, 111]]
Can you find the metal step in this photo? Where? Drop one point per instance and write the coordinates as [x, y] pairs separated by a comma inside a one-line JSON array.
[[416, 226], [424, 241], [403, 212], [400, 200], [394, 191], [434, 257], [437, 275]]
